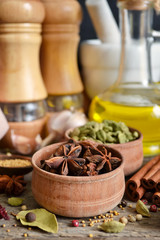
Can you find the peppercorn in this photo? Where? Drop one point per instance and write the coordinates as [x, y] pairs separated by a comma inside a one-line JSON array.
[[75, 223], [145, 201], [153, 208], [30, 217], [148, 196]]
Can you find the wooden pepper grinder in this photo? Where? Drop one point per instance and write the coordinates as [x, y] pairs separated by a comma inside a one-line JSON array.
[[22, 90], [60, 38]]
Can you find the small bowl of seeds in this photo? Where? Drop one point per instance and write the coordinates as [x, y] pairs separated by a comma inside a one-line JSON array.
[[126, 140], [15, 165]]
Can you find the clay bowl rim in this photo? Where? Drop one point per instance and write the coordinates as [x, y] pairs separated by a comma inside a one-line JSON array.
[[77, 179], [127, 144], [15, 170]]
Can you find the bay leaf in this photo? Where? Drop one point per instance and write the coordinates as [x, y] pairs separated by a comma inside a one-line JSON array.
[[112, 227], [15, 201], [44, 220]]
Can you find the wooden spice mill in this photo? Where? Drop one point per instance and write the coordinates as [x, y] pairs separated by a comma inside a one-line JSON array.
[[59, 54], [22, 90]]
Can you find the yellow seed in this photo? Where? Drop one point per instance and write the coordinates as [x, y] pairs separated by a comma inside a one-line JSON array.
[[24, 207], [111, 215], [95, 217], [103, 216], [29, 228], [120, 206], [90, 235], [99, 216], [83, 221], [129, 215], [104, 220], [14, 225], [111, 211], [111, 219], [8, 230], [130, 205], [83, 225], [106, 214], [25, 235], [98, 220], [3, 225], [90, 219]]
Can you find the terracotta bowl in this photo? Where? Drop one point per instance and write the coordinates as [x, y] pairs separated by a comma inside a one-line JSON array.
[[71, 196], [132, 152], [15, 170]]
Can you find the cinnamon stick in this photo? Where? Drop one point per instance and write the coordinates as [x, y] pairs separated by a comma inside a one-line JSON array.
[[135, 195], [156, 199], [158, 185], [134, 189], [151, 177]]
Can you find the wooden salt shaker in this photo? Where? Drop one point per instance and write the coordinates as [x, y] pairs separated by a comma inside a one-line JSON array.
[[22, 90], [60, 40]]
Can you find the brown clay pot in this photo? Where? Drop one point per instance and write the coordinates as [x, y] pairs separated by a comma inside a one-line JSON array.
[[76, 196], [132, 152]]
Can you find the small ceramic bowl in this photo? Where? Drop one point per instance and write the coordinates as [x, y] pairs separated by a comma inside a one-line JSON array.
[[80, 196], [15, 170], [132, 152]]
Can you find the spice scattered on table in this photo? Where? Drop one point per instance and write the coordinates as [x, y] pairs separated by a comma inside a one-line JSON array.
[[30, 217], [44, 220], [112, 227], [12, 185], [3, 213], [15, 201], [142, 209]]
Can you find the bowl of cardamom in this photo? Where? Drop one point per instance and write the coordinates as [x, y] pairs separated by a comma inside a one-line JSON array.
[[76, 179], [127, 140]]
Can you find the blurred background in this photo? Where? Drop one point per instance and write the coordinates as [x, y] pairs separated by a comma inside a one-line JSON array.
[[87, 29]]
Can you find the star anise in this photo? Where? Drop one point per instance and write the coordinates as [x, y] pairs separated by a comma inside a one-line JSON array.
[[100, 156], [12, 185], [66, 160]]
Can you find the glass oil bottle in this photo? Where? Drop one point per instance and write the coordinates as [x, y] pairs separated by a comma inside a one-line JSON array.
[[134, 98]]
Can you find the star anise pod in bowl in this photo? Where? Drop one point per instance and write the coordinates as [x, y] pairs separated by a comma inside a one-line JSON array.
[[80, 159]]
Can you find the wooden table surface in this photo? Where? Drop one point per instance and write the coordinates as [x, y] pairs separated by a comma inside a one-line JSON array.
[[147, 228]]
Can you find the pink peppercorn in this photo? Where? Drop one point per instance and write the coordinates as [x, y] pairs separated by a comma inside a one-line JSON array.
[[75, 223], [144, 201], [153, 208]]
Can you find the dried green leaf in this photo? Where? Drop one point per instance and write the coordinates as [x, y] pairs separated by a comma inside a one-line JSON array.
[[112, 227], [15, 201], [44, 220], [142, 209]]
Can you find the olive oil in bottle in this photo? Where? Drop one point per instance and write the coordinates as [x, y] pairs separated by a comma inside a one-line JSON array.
[[145, 119], [134, 98]]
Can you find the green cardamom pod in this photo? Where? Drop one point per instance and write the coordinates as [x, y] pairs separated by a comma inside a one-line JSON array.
[[112, 227], [142, 209], [101, 135], [15, 201]]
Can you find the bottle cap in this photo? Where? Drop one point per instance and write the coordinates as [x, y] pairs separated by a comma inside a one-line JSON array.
[[136, 4]]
